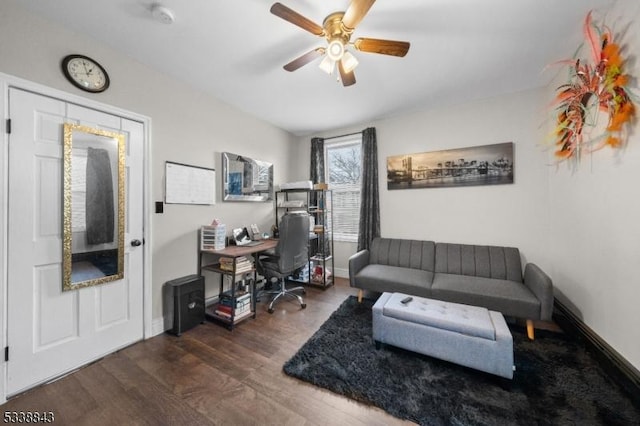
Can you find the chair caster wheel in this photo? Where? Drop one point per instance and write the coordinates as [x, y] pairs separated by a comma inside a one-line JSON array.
[[304, 305], [304, 291], [270, 310]]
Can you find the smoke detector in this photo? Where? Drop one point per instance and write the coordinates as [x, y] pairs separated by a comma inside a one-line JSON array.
[[162, 14]]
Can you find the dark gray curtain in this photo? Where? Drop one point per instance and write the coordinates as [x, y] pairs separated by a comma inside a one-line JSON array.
[[100, 206], [317, 176], [369, 197], [317, 160], [317, 165]]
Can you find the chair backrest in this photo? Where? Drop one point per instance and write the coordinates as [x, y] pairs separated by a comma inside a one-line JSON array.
[[293, 243]]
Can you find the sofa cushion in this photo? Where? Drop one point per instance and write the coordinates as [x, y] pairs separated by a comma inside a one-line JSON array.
[[470, 320], [509, 297], [381, 278], [405, 253], [479, 261]]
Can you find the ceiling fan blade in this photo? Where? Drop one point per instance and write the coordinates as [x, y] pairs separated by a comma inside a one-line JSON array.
[[385, 47], [304, 59], [348, 78], [295, 18], [356, 11]]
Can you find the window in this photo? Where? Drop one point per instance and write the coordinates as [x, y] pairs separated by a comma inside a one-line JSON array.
[[343, 168]]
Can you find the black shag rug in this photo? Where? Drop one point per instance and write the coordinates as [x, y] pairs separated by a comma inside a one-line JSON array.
[[557, 382]]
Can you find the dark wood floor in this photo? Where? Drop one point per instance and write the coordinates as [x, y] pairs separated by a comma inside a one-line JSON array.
[[208, 376]]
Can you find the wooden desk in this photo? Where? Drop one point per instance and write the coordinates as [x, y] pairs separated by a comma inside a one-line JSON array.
[[233, 252], [237, 251]]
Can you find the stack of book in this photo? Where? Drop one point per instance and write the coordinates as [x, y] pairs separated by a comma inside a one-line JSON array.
[[241, 303], [242, 264]]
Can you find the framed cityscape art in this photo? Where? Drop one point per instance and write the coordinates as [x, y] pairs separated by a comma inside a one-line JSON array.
[[477, 165]]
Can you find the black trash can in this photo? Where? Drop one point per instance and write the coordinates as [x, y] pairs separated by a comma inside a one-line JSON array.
[[183, 303]]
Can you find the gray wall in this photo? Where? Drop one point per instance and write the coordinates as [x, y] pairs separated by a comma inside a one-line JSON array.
[[514, 214], [594, 211], [187, 127]]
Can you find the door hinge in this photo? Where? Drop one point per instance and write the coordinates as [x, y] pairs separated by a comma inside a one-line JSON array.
[[8, 126], [6, 353]]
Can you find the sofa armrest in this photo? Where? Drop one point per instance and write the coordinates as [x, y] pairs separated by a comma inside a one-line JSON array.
[[540, 284], [356, 263]]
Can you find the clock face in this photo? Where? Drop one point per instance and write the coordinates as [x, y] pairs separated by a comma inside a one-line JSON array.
[[85, 73]]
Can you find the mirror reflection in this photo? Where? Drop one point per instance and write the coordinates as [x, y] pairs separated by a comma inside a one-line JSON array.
[[93, 245], [246, 179]]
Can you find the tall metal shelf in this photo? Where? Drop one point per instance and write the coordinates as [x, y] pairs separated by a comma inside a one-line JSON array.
[[318, 204]]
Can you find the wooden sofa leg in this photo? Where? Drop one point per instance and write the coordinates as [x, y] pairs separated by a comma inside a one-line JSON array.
[[360, 293], [530, 332]]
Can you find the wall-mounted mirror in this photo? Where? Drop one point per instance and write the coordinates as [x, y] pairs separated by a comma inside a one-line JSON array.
[[93, 237], [246, 179]]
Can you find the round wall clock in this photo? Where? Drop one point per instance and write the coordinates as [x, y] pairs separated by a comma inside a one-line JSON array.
[[85, 73]]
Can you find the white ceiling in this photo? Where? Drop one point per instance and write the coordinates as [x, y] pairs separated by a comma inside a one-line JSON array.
[[235, 49]]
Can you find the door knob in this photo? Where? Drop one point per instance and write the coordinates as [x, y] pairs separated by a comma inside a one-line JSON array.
[[136, 243]]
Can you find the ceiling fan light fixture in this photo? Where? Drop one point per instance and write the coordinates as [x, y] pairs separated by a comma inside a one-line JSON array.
[[337, 29], [349, 62], [327, 65], [335, 50]]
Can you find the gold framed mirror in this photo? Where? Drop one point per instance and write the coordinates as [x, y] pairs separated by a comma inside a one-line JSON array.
[[93, 228]]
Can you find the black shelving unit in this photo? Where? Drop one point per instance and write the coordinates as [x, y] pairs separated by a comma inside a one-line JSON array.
[[319, 205]]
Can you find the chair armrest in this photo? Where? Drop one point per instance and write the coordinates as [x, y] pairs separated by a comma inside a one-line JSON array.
[[264, 256], [540, 284], [268, 253], [356, 263]]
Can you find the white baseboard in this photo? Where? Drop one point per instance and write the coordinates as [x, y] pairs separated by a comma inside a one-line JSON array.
[[157, 327], [341, 272]]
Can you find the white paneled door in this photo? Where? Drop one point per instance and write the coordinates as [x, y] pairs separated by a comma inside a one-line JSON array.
[[51, 332]]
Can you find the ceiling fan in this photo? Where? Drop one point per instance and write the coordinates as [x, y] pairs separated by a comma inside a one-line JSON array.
[[337, 29]]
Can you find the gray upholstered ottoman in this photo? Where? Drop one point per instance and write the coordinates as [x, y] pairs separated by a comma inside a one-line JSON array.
[[467, 335]]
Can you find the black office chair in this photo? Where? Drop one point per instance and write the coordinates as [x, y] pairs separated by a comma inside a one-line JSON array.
[[289, 255]]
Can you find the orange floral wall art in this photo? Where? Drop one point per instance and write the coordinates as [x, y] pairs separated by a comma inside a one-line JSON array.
[[596, 87]]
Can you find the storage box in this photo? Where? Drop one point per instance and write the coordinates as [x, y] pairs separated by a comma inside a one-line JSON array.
[[213, 237]]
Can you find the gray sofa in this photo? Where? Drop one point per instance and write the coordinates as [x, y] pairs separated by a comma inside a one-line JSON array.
[[487, 276]]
